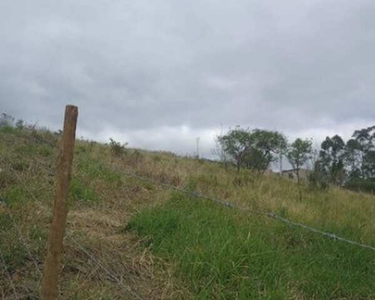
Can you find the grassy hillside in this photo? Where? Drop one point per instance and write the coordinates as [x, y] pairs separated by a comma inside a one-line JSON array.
[[160, 244]]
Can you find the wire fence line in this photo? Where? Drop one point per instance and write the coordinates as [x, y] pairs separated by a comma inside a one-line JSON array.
[[232, 205], [108, 272], [195, 194], [94, 259]]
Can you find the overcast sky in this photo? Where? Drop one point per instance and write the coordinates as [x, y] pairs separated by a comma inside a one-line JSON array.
[[158, 74]]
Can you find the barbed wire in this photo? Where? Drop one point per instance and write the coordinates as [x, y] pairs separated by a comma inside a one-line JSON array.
[[232, 205], [108, 272], [201, 196], [91, 256]]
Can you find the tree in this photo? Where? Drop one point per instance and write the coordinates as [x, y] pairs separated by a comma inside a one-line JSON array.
[[236, 144], [366, 139], [20, 124], [298, 154], [353, 159], [6, 120], [331, 159], [254, 149], [267, 147]]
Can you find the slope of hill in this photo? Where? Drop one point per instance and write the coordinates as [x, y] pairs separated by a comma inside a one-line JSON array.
[[129, 238]]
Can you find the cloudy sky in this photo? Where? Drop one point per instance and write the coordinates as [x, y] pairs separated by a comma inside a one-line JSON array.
[[158, 74]]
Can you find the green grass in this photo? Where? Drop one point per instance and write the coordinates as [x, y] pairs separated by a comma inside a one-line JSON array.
[[96, 170], [80, 192], [224, 254], [15, 196], [199, 250]]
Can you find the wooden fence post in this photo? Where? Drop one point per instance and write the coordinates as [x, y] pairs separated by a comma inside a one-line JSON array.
[[52, 264]]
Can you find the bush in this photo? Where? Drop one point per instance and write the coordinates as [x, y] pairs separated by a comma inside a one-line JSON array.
[[117, 149], [361, 185], [20, 124]]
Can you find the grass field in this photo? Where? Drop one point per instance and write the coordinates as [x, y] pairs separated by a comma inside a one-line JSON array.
[[161, 244]]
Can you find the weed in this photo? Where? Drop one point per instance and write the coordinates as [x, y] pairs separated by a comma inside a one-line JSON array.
[[96, 170], [15, 196], [45, 150], [14, 255], [81, 193]]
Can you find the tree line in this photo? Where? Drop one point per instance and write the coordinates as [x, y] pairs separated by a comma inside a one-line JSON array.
[[350, 163]]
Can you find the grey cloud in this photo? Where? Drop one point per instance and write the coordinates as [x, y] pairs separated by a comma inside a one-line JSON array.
[[136, 68]]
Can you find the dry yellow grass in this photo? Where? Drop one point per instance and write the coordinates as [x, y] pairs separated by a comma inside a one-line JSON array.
[[102, 205]]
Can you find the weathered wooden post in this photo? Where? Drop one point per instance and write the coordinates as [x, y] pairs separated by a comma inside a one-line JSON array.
[[52, 264]]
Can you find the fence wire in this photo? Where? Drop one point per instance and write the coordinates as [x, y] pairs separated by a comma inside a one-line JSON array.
[[232, 205], [108, 272], [70, 237], [188, 192]]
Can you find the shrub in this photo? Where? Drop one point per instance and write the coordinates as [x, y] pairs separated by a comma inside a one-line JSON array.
[[117, 149], [361, 185], [20, 124]]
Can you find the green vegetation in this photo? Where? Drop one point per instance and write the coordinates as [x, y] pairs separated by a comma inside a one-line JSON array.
[[80, 192], [225, 254], [178, 247], [15, 196]]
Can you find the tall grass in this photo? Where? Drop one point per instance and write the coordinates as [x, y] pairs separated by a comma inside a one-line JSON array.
[[198, 250], [224, 254]]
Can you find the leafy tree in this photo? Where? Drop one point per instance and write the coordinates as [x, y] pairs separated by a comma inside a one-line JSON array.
[[331, 159], [366, 139], [236, 144], [254, 149], [353, 159], [20, 124], [254, 159], [298, 154], [6, 120], [267, 147], [318, 178]]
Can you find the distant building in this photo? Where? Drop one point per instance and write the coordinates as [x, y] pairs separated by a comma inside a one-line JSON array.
[[292, 174]]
